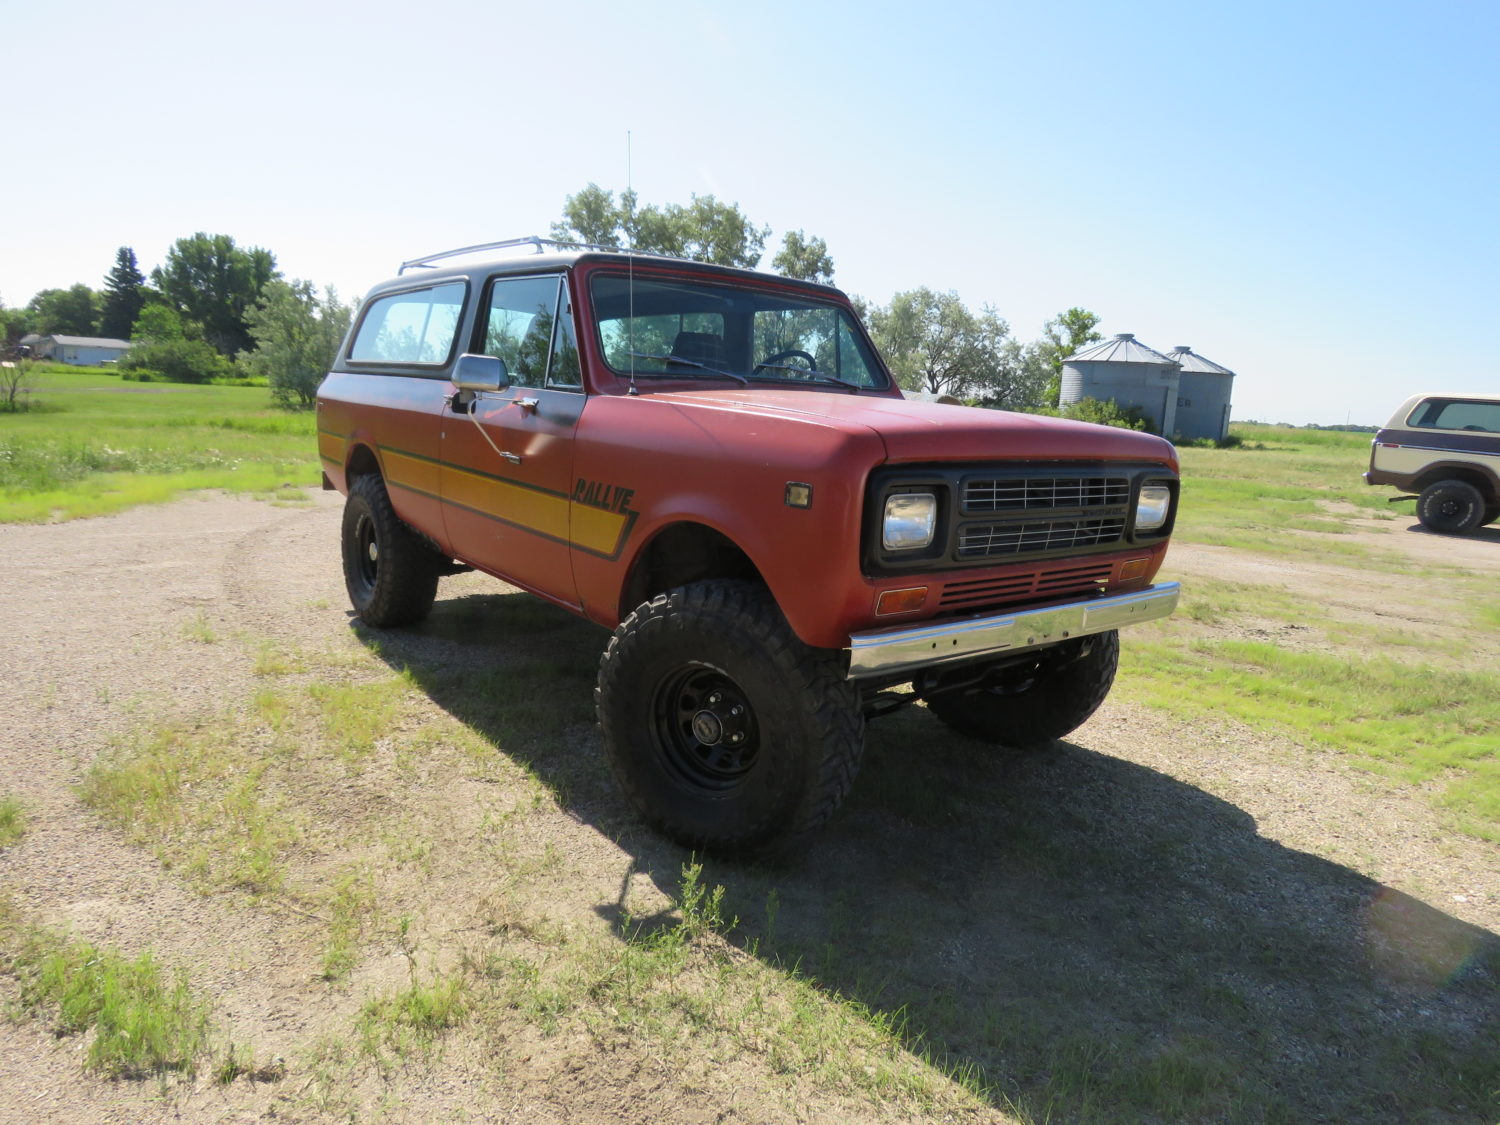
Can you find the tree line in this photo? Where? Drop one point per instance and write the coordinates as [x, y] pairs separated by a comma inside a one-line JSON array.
[[214, 310]]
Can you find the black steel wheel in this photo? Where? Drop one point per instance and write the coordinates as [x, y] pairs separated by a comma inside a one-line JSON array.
[[1031, 705], [389, 570], [706, 730], [724, 730], [1451, 507]]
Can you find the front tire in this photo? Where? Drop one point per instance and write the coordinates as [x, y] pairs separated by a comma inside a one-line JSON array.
[[724, 730], [1038, 702], [389, 570], [1450, 507]]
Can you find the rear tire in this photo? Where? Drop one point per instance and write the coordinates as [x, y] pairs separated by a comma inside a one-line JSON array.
[[389, 570], [1038, 702], [1451, 507], [724, 730]]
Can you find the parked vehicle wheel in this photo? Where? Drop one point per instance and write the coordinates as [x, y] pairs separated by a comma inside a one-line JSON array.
[[1451, 507], [725, 731], [390, 572], [1038, 702]]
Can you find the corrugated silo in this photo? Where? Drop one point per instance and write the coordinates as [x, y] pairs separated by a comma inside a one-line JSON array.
[[1204, 389], [1124, 371]]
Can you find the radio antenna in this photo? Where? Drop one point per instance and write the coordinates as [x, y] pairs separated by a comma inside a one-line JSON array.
[[630, 262]]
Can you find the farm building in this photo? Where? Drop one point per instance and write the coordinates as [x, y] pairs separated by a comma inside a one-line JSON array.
[[1181, 395], [1203, 392], [83, 351], [1125, 371]]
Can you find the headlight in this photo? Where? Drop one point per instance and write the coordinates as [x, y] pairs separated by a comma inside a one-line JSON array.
[[910, 520], [1152, 507]]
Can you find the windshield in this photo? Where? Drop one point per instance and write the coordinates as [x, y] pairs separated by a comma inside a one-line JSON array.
[[689, 329]]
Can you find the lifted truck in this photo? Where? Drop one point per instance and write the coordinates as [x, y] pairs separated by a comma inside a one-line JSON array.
[[716, 465]]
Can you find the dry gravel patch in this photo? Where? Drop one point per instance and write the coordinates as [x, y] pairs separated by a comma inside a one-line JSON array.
[[158, 613]]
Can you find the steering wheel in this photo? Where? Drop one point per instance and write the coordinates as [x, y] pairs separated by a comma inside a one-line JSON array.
[[791, 353]]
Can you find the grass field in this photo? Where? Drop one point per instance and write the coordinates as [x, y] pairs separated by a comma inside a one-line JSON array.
[[1418, 709], [94, 443]]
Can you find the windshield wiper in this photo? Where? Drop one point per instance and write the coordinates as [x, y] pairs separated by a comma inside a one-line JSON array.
[[807, 376], [670, 358]]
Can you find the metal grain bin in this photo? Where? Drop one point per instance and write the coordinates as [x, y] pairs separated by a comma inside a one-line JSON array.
[[1125, 371], [1204, 389]]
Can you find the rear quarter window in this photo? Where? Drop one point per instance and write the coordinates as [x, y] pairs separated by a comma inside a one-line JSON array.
[[418, 326], [1457, 414]]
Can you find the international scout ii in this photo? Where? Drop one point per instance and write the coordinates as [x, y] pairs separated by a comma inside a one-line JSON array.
[[716, 465]]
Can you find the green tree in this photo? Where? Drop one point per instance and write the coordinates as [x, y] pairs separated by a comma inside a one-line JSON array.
[[934, 343], [593, 217], [1022, 379], [165, 348], [704, 231], [1068, 332], [158, 323], [804, 258], [15, 323], [66, 312], [123, 296], [214, 283], [296, 337]]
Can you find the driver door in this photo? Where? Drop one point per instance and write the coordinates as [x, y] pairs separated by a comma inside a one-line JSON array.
[[508, 458]]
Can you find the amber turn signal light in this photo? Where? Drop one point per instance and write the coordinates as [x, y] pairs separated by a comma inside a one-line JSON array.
[[900, 601], [1135, 568]]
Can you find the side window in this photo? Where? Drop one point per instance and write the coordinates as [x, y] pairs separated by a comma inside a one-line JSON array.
[[519, 324], [564, 373], [1478, 416], [414, 327], [1446, 414]]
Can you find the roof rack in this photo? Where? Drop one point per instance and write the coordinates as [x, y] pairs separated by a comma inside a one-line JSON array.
[[540, 245]]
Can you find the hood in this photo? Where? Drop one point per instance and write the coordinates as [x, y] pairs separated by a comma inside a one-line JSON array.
[[925, 431]]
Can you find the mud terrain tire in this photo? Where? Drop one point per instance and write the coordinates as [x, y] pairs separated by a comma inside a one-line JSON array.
[[726, 732], [391, 573], [1037, 703]]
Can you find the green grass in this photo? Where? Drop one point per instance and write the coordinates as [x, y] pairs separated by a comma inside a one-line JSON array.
[[1411, 721], [196, 797], [138, 1018], [95, 443], [1285, 491], [12, 820]]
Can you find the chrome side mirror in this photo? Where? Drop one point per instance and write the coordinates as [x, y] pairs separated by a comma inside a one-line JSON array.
[[480, 373]]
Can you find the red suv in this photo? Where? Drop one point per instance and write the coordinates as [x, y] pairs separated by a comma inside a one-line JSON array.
[[716, 465]]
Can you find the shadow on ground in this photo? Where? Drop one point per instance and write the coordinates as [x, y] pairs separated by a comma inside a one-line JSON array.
[[1084, 938], [1480, 534]]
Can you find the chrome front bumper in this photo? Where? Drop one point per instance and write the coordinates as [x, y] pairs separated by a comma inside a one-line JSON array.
[[884, 652]]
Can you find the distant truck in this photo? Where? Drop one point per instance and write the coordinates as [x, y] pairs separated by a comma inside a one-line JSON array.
[[716, 465], [1443, 450]]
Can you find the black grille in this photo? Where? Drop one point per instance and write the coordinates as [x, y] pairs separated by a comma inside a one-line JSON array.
[[982, 540], [1004, 513], [1027, 494]]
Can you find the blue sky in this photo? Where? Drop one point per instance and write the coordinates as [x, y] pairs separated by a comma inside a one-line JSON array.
[[1303, 192]]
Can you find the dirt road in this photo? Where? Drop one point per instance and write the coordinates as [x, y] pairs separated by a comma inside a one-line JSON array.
[[158, 613]]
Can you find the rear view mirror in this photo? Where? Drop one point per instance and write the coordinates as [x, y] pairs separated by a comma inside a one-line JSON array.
[[480, 373]]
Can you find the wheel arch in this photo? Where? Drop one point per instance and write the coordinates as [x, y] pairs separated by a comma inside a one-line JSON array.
[[679, 553], [361, 461], [1479, 476]]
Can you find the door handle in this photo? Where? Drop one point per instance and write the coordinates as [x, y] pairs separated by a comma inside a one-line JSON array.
[[513, 458], [526, 403]]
